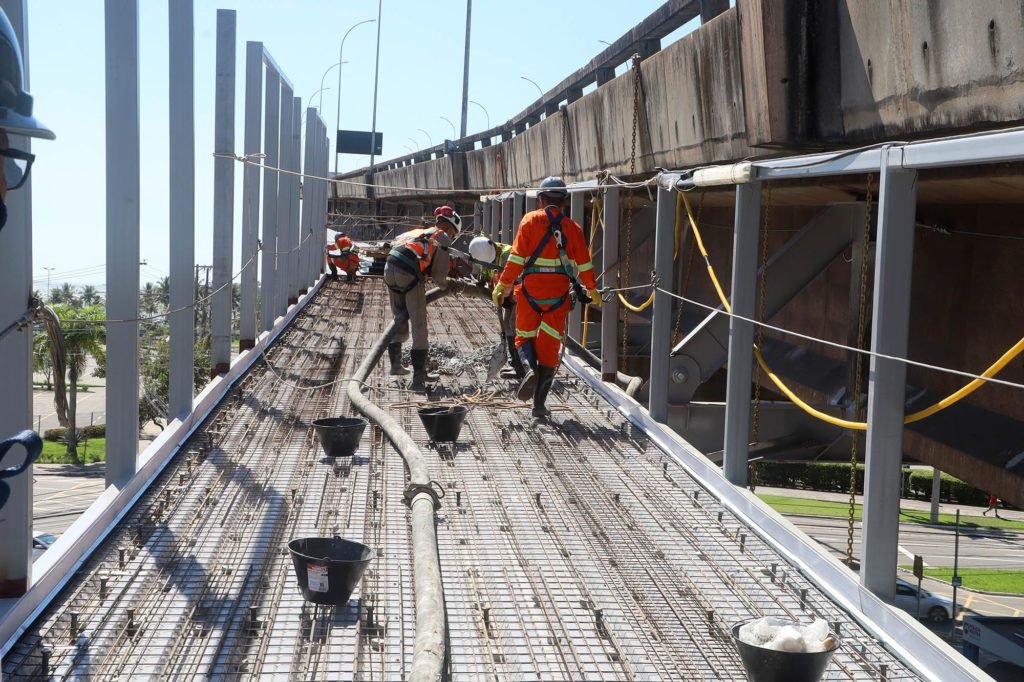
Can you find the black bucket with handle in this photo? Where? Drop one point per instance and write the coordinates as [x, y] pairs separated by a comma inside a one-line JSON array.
[[340, 436], [328, 569], [768, 665], [444, 422]]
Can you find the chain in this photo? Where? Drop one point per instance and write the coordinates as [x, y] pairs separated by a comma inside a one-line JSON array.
[[763, 286], [629, 202], [858, 367], [686, 275]]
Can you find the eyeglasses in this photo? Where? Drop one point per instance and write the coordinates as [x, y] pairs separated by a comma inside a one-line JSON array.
[[16, 165]]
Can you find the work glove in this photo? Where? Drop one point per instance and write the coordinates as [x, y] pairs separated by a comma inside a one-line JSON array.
[[498, 295], [595, 297]]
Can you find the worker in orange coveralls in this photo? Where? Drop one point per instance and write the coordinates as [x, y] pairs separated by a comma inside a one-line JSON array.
[[548, 252], [345, 257]]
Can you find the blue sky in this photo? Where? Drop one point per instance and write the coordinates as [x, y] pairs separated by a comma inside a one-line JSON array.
[[420, 81]]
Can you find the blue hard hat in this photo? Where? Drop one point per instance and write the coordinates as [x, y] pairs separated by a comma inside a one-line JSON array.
[[15, 104], [554, 187]]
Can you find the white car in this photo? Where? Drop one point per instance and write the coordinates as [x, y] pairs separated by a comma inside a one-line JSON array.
[[934, 607]]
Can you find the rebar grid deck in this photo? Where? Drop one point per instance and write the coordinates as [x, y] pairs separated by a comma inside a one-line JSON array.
[[574, 550]]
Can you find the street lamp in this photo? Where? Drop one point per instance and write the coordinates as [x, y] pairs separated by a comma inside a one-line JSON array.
[[534, 84], [455, 135], [321, 105], [605, 42], [321, 93], [411, 150], [430, 140], [341, 60], [48, 282], [485, 113]]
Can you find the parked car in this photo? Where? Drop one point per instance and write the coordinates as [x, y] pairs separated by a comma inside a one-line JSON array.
[[40, 543], [934, 607]]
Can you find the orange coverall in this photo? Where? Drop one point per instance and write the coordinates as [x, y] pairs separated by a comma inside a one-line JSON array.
[[545, 285], [346, 260]]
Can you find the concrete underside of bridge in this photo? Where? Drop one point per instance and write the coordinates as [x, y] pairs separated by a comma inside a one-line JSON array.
[[571, 550], [770, 79]]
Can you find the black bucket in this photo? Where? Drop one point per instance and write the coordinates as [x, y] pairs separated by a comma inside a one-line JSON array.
[[340, 436], [768, 665], [443, 423], [328, 569]]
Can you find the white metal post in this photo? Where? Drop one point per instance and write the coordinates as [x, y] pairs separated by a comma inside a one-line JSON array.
[[308, 191], [741, 334], [495, 223], [280, 292], [610, 309], [576, 203], [16, 352], [295, 240], [478, 217], [121, 27], [223, 193], [506, 221], [894, 257], [250, 194], [661, 322], [271, 147], [182, 214]]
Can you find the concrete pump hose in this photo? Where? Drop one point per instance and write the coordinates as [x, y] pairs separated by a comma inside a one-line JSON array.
[[428, 653]]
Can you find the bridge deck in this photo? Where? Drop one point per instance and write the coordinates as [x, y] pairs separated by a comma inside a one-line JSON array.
[[575, 550]]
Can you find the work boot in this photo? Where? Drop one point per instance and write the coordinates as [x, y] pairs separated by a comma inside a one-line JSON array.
[[395, 356], [420, 376], [351, 277], [545, 377], [528, 359], [514, 359]]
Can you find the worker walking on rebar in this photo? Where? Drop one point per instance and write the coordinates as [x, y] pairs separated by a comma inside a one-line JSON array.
[[346, 257], [492, 257], [415, 256], [548, 254]]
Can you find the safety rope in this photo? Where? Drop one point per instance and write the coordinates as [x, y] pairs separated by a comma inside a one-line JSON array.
[[949, 400]]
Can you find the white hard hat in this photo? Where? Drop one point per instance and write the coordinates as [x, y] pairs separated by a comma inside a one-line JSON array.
[[482, 249]]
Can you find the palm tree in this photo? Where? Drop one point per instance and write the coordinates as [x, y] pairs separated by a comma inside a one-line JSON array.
[[65, 294], [84, 336], [90, 296]]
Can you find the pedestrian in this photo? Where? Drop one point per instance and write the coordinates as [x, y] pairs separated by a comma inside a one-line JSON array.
[[549, 256], [993, 505], [346, 257], [492, 257], [415, 256]]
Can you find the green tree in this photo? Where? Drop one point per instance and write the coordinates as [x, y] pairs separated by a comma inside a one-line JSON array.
[[163, 293], [90, 296], [84, 336], [41, 358]]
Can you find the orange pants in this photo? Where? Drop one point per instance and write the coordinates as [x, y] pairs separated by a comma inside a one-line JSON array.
[[543, 329]]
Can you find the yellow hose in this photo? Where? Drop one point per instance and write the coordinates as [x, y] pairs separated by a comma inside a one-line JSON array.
[[949, 400], [636, 308]]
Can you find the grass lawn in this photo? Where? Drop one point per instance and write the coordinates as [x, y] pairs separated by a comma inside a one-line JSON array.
[[985, 579], [92, 450], [811, 507]]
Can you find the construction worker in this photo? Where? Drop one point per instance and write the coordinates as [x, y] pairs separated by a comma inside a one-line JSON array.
[[15, 116], [346, 257], [548, 254], [492, 256], [415, 256]]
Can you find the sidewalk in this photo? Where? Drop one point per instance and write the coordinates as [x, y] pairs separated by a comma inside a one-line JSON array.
[[916, 505]]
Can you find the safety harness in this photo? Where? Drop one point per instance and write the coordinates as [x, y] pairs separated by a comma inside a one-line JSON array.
[[564, 267], [406, 259]]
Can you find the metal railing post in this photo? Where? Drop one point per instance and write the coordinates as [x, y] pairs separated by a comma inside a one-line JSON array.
[[661, 322], [16, 352], [271, 148], [250, 195], [610, 267], [295, 236], [223, 193], [182, 208], [280, 292], [576, 203], [121, 24]]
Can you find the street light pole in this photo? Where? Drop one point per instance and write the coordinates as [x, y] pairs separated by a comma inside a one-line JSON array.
[[341, 60], [48, 282], [321, 93], [485, 113], [452, 125], [465, 68], [430, 140], [534, 84], [376, 76]]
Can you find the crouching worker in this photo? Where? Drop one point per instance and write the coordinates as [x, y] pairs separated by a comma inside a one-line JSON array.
[[492, 257], [346, 257], [548, 252], [415, 256]]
